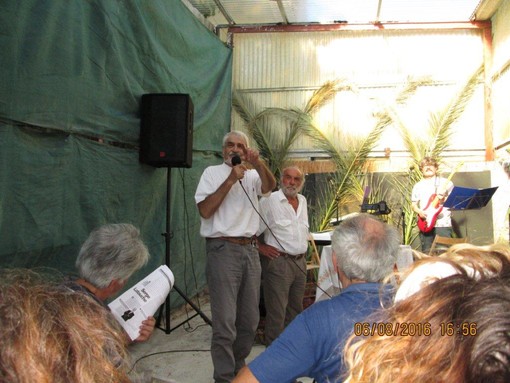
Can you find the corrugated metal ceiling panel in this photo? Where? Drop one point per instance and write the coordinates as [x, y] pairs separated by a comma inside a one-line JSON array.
[[268, 12]]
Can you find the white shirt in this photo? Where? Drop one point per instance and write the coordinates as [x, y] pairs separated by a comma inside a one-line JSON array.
[[424, 189], [236, 216], [289, 226]]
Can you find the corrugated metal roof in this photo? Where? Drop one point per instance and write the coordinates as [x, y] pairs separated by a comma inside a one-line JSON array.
[[270, 12]]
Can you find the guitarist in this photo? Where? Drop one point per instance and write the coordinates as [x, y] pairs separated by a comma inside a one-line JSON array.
[[428, 195]]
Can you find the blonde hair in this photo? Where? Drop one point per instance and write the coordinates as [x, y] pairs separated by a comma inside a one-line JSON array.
[[461, 326], [52, 334]]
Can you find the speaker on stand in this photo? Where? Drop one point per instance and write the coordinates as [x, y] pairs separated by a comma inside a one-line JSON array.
[[166, 140]]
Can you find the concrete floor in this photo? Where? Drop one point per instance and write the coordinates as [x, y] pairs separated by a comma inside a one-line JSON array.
[[183, 356]]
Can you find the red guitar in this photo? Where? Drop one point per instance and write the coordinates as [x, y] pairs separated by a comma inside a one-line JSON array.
[[433, 208]]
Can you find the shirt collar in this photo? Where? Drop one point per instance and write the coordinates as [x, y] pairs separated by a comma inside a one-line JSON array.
[[281, 196], [363, 286], [385, 290]]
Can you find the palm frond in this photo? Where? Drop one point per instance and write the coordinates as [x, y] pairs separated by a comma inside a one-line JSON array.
[[350, 162], [413, 144], [324, 94], [410, 141], [456, 107], [441, 122], [275, 130], [402, 184], [242, 106], [320, 140], [410, 88], [280, 131]]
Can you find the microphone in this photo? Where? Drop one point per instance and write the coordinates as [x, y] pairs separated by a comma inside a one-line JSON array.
[[236, 160]]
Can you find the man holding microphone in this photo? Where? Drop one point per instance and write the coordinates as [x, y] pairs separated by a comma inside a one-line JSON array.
[[226, 197]]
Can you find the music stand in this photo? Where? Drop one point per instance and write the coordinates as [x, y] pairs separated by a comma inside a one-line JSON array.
[[462, 198]]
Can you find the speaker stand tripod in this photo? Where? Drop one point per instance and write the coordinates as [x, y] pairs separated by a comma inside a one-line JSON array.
[[166, 305]]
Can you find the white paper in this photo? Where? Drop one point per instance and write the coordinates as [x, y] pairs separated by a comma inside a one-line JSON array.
[[142, 300], [328, 284], [322, 235]]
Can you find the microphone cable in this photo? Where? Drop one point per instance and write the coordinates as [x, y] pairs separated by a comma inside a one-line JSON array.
[[271, 231]]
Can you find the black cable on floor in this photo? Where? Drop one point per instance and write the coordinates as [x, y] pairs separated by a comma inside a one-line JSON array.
[[163, 352]]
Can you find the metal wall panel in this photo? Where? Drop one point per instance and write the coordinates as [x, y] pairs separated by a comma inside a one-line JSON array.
[[283, 69], [501, 119], [501, 74]]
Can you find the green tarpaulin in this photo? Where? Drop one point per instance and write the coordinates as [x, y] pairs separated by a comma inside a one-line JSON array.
[[72, 74]]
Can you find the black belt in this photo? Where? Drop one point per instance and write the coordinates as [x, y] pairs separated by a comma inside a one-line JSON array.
[[296, 257], [238, 240]]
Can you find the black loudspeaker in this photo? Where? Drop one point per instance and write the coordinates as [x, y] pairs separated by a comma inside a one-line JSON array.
[[166, 130]]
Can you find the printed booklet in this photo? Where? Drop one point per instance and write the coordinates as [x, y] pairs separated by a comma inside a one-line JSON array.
[[142, 300]]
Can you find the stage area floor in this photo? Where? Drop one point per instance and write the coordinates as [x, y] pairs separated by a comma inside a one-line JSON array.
[[183, 355]]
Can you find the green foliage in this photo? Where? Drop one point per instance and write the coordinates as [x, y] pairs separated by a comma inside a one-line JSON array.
[[275, 131], [437, 140], [350, 157]]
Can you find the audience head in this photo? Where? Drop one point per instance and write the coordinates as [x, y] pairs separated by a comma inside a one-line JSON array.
[[292, 181], [460, 323], [474, 260], [52, 334], [366, 248], [111, 252]]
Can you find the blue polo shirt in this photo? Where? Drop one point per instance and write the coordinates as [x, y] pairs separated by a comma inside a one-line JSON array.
[[313, 342]]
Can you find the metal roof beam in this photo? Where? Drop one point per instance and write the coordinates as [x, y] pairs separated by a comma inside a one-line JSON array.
[[224, 12], [282, 11]]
